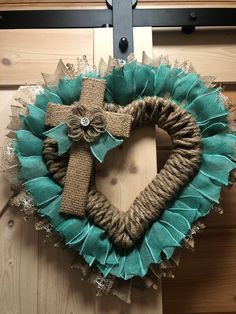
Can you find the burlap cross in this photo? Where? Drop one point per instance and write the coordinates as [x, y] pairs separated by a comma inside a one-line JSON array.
[[81, 159]]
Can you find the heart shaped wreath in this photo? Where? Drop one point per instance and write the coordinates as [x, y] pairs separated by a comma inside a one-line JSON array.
[[58, 130]]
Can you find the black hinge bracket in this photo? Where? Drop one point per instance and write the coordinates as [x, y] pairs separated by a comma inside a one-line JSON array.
[[122, 28]]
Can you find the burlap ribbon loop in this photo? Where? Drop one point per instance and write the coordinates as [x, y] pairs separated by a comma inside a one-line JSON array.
[[86, 121]]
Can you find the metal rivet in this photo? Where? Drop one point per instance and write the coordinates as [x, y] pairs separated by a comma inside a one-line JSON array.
[[84, 121], [123, 44], [193, 16]]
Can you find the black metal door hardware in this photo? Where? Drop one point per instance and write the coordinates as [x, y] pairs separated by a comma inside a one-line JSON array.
[[122, 16]]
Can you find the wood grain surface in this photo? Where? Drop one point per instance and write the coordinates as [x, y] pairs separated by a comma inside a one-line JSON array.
[[25, 54], [34, 276], [80, 3], [209, 271], [5, 96], [212, 52], [125, 171], [205, 281]]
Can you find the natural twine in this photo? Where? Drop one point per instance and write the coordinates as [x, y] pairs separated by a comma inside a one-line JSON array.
[[125, 228]]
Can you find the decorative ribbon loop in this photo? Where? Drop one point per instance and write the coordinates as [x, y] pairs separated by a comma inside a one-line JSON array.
[[88, 130]]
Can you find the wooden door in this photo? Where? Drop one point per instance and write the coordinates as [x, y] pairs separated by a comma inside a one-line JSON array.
[[37, 277], [34, 276], [205, 281]]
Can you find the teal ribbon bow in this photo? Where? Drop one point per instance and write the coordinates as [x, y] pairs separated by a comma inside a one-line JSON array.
[[99, 148]]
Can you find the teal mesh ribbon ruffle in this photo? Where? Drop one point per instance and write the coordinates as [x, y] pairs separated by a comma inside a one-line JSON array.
[[196, 200]]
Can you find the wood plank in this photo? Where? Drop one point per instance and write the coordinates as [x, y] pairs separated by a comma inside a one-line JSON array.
[[143, 301], [149, 5], [24, 54], [51, 6], [214, 282], [105, 49], [28, 270], [228, 205], [125, 173], [210, 313], [178, 290], [230, 91], [60, 289], [124, 167], [101, 2], [19, 264], [5, 96], [205, 281], [204, 49], [83, 4], [51, 1], [67, 295], [18, 244], [10, 265], [228, 200], [23, 63]]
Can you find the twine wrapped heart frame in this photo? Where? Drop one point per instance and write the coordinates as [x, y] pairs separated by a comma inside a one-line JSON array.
[[59, 130], [126, 228]]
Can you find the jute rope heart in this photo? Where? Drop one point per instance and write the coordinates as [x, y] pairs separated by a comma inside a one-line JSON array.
[[125, 228], [167, 213]]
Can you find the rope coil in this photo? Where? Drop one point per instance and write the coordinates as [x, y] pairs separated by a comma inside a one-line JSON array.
[[125, 228]]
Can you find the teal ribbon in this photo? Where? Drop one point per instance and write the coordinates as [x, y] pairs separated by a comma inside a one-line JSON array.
[[104, 143], [196, 199], [99, 148]]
